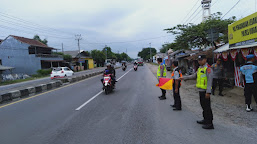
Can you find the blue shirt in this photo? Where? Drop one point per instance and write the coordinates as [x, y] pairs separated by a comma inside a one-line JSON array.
[[248, 70]]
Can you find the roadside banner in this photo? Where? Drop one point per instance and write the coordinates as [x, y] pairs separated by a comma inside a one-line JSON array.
[[225, 56], [237, 76], [218, 55], [233, 54], [255, 52], [165, 83], [245, 52]]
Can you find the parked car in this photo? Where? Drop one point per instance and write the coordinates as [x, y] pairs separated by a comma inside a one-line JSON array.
[[61, 72], [140, 63]]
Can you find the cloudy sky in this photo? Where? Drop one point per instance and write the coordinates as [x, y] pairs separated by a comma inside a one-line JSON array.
[[120, 24]]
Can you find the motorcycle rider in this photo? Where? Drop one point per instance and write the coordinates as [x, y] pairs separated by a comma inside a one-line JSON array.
[[124, 64], [110, 70], [135, 63]]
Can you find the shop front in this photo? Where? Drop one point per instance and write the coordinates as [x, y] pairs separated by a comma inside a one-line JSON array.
[[242, 42]]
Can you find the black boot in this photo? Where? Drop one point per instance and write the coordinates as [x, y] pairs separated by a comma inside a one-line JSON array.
[[162, 98], [173, 106], [208, 126], [201, 122]]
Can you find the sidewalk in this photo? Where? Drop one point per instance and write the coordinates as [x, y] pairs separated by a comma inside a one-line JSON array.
[[229, 109]]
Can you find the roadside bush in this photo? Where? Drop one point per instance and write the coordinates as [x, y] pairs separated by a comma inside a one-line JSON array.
[[44, 72]]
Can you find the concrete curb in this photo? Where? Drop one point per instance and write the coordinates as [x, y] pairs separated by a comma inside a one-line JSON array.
[[25, 92]]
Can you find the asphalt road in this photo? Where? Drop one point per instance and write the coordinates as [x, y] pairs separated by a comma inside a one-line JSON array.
[[132, 114], [42, 80]]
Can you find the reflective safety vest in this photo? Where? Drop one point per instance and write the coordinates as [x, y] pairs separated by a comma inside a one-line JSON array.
[[180, 75], [159, 71], [202, 78]]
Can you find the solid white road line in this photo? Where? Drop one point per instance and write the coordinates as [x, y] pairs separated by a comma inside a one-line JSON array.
[[99, 93]]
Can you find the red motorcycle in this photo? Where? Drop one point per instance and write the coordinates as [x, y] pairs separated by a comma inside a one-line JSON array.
[[135, 67], [108, 85]]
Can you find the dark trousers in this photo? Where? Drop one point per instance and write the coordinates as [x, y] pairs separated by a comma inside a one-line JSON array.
[[219, 82], [249, 91], [206, 106], [163, 92], [177, 99]]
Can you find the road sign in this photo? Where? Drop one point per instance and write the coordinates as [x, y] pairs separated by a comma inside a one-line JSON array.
[[212, 34]]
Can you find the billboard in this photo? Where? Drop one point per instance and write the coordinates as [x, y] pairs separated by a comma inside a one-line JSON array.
[[243, 31]]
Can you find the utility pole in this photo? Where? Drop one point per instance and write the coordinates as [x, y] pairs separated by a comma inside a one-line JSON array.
[[150, 53], [78, 38], [106, 53], [62, 49], [126, 55]]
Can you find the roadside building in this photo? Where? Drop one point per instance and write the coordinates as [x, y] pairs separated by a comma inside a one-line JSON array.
[[242, 41], [27, 56], [159, 55], [81, 60]]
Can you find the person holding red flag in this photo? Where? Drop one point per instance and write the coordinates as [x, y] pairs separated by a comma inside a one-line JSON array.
[[176, 74]]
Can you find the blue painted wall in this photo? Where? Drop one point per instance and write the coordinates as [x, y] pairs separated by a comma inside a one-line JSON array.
[[15, 54]]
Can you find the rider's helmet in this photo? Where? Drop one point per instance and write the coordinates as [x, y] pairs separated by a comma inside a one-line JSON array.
[[108, 65]]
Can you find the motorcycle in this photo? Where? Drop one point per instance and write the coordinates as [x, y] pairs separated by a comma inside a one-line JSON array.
[[123, 68], [108, 85], [135, 67]]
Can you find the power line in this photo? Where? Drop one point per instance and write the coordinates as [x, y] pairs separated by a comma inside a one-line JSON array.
[[132, 40], [34, 29], [192, 14], [18, 30], [190, 10], [231, 8], [195, 15], [30, 23]]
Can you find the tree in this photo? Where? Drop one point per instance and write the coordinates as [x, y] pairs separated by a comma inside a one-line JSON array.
[[66, 57], [98, 56], [191, 35], [145, 53], [166, 47], [36, 37], [110, 54]]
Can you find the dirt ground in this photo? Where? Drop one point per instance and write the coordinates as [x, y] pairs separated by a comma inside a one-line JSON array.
[[227, 109]]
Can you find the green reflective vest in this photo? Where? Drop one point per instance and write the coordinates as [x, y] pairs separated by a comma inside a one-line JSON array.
[[202, 78], [159, 71]]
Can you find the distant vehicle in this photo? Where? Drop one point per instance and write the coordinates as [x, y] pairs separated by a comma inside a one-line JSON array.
[[61, 72], [140, 63]]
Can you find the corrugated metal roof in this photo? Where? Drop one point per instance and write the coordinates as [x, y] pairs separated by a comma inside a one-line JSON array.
[[245, 46], [222, 48]]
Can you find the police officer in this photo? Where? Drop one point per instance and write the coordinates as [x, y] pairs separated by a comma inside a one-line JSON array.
[[204, 77], [161, 72], [247, 72], [217, 77], [176, 74]]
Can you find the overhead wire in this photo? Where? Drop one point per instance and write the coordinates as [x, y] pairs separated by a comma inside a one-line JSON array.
[[192, 14], [231, 8], [190, 11], [30, 23], [47, 33]]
